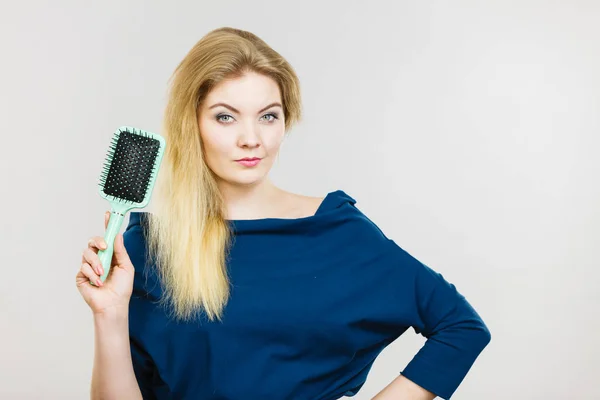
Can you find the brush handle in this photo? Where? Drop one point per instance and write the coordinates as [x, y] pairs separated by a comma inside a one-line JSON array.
[[114, 225]]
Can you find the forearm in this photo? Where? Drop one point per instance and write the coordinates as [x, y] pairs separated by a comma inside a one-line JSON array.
[[402, 388], [113, 376]]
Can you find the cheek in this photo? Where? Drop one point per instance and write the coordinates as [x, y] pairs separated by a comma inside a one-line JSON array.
[[272, 143], [221, 145], [215, 144]]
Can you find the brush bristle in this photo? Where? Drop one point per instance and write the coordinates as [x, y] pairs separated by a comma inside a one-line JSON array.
[[129, 166]]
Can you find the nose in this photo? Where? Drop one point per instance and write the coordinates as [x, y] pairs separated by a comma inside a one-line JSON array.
[[249, 136]]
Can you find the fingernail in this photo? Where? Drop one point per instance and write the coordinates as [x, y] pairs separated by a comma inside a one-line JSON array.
[[99, 282], [101, 270]]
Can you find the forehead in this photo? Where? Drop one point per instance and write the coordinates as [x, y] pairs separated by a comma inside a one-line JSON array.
[[250, 91]]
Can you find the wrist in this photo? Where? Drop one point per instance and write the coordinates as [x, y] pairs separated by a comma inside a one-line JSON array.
[[112, 314]]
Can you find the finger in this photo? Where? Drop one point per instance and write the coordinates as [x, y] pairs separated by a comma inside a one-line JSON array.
[[120, 253], [106, 218], [87, 271], [83, 281], [97, 243], [92, 258]]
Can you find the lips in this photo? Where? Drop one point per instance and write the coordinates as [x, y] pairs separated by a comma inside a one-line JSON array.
[[249, 162], [249, 159]]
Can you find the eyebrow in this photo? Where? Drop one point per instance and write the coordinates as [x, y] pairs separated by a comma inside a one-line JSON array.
[[236, 111]]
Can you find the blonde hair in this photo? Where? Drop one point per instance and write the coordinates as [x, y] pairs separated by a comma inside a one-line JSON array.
[[188, 236]]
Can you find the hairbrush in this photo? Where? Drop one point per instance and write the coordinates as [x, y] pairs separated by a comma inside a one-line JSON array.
[[127, 180]]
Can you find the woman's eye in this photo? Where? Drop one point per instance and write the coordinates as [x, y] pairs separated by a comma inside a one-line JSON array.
[[272, 115], [222, 116]]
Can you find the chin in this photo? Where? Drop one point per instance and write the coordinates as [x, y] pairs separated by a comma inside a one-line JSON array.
[[248, 180]]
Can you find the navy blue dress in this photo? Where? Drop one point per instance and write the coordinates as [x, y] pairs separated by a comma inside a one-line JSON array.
[[314, 301]]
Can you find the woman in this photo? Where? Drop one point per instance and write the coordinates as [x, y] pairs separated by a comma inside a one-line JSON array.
[[242, 290]]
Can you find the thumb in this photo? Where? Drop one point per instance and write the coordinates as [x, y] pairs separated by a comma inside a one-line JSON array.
[[120, 253]]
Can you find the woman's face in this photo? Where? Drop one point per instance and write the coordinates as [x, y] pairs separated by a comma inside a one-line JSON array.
[[242, 118]]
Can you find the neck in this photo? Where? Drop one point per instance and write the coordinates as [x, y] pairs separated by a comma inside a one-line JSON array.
[[249, 202]]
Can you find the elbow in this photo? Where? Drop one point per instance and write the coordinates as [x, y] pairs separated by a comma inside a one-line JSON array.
[[481, 336], [488, 334], [473, 334], [476, 331]]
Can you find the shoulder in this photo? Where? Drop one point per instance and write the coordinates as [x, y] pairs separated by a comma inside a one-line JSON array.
[[339, 217], [306, 205], [135, 241], [302, 205], [137, 219], [134, 237], [295, 205]]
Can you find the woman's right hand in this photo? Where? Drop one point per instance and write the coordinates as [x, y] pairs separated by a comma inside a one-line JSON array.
[[114, 293]]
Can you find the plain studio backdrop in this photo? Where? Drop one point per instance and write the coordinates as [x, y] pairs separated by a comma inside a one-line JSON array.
[[468, 131]]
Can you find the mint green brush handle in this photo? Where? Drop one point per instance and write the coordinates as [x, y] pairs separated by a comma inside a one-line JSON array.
[[114, 225]]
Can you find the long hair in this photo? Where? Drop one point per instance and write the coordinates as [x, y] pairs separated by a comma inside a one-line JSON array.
[[188, 235]]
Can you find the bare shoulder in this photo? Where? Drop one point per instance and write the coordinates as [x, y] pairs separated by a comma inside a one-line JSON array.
[[300, 206]]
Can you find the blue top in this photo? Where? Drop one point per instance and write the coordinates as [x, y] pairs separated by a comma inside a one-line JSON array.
[[314, 301]]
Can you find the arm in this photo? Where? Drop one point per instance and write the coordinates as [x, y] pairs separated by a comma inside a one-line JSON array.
[[113, 376], [402, 388], [455, 332]]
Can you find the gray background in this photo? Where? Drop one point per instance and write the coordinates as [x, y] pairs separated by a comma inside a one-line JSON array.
[[468, 131]]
